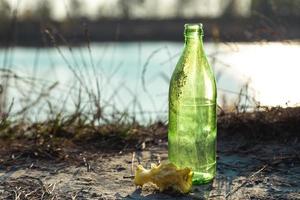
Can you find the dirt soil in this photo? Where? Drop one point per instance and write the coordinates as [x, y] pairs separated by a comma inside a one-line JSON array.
[[260, 171]]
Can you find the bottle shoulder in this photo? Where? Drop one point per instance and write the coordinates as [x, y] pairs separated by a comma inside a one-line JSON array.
[[193, 73], [193, 79]]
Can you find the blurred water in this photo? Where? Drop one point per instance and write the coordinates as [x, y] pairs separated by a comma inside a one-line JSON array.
[[134, 76]]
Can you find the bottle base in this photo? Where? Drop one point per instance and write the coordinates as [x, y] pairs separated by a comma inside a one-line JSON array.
[[200, 178]]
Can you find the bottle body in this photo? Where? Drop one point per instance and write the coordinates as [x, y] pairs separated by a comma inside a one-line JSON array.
[[192, 112]]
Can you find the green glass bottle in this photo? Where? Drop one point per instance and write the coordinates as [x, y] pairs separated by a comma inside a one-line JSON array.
[[192, 110]]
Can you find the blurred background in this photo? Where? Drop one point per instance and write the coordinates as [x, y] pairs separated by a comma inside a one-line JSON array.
[[112, 60]]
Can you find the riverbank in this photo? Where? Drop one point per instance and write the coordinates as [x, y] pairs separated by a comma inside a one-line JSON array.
[[257, 158], [81, 31]]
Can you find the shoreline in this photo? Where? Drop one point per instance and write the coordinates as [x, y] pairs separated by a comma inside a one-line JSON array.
[[79, 45], [82, 31]]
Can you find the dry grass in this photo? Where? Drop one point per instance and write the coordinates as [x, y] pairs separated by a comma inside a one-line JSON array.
[[265, 123]]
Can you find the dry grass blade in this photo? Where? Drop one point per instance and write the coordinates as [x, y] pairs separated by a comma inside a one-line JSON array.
[[146, 65]]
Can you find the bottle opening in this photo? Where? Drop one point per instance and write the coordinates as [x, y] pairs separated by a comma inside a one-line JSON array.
[[193, 29]]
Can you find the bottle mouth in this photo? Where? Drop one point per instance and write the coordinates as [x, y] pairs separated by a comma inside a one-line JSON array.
[[193, 29]]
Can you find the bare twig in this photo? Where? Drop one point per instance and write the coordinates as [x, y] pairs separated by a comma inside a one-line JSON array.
[[245, 182]]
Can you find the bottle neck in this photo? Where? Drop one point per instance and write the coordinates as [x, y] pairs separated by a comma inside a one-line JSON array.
[[194, 40], [194, 44], [193, 34]]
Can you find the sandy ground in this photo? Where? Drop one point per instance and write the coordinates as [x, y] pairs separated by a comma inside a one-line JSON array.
[[94, 174]]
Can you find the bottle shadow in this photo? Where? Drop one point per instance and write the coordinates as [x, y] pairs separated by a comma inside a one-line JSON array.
[[198, 192]]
